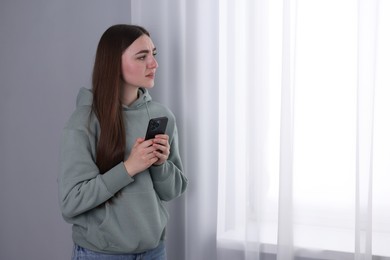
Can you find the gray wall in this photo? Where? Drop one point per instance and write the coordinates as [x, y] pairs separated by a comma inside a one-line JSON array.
[[46, 53]]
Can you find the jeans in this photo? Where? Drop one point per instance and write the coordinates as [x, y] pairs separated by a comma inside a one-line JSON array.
[[80, 253]]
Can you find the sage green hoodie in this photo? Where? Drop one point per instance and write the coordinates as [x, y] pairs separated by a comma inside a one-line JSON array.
[[104, 219]]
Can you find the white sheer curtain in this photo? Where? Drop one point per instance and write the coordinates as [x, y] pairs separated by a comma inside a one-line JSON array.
[[304, 141], [282, 108], [186, 36]]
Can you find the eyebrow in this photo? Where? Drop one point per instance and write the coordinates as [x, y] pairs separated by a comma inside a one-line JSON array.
[[146, 51]]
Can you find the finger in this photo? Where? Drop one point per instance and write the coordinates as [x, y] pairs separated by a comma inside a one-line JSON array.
[[165, 137], [148, 155], [138, 141], [156, 159], [150, 150], [160, 155], [161, 142], [151, 158], [147, 143], [163, 149]]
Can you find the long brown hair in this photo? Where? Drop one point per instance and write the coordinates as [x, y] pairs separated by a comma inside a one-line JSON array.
[[107, 90]]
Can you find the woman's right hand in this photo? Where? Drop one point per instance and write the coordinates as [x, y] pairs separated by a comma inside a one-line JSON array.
[[141, 157]]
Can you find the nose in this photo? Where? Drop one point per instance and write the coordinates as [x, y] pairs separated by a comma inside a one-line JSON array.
[[153, 63]]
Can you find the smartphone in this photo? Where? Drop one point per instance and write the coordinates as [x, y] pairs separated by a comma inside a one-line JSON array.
[[156, 126]]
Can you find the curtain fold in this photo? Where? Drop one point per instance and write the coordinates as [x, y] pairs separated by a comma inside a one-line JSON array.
[[367, 50], [186, 37], [285, 242]]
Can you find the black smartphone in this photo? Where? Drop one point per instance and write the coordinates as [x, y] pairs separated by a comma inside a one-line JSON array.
[[156, 126]]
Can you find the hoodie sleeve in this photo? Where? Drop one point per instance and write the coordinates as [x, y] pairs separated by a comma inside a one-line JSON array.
[[81, 186], [168, 178]]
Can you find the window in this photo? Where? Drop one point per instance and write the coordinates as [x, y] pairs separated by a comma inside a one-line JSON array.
[[324, 69]]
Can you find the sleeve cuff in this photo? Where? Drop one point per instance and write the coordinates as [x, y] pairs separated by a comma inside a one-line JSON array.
[[116, 178], [160, 172]]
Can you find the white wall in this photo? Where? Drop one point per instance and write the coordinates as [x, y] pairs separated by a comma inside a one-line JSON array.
[[47, 49]]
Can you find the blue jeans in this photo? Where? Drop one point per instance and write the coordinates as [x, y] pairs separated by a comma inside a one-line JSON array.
[[80, 253]]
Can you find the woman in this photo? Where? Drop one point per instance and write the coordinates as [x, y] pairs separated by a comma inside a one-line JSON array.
[[113, 182]]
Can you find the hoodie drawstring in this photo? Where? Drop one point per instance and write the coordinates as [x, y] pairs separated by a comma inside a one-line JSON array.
[[147, 107]]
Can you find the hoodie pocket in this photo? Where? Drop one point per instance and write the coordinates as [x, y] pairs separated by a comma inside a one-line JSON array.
[[133, 222]]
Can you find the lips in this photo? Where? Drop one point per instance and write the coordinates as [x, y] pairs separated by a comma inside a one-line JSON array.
[[150, 75]]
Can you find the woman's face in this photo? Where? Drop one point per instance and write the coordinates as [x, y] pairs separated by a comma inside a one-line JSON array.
[[138, 63]]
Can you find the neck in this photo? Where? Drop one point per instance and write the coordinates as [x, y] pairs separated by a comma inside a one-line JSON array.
[[129, 95]]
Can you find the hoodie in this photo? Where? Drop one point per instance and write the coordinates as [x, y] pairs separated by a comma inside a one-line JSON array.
[[113, 212]]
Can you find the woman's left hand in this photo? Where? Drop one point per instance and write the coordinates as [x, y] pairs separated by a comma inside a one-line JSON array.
[[161, 143]]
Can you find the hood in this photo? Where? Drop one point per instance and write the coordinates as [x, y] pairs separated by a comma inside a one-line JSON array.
[[85, 98]]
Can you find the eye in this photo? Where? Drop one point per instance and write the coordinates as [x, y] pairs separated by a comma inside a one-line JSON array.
[[154, 53], [142, 57]]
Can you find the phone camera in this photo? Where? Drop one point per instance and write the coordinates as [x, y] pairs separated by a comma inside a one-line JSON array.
[[155, 125]]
